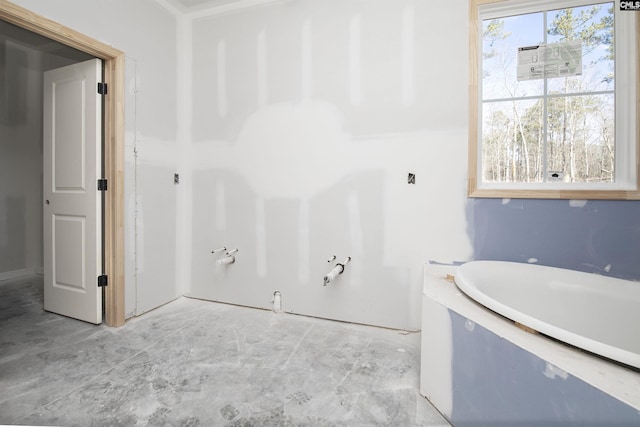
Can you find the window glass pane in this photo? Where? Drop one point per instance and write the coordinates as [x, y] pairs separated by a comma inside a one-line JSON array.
[[512, 141], [501, 39], [593, 25], [553, 118], [581, 142]]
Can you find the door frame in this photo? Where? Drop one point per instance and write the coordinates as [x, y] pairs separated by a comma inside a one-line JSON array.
[[113, 128]]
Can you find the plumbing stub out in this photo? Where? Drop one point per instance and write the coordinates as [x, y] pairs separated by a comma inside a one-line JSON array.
[[277, 302], [229, 257], [337, 270]]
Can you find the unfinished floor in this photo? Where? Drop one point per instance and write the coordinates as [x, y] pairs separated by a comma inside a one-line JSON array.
[[194, 362]]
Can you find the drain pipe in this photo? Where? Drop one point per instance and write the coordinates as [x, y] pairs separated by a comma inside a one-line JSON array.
[[337, 270], [229, 257]]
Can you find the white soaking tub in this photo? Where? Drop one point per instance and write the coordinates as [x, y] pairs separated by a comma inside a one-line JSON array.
[[595, 313]]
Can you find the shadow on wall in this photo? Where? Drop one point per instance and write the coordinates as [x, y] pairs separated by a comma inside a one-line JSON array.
[[597, 237], [13, 85], [13, 238]]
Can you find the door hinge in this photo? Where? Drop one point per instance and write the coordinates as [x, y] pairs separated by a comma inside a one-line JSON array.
[[102, 185], [102, 281], [102, 88]]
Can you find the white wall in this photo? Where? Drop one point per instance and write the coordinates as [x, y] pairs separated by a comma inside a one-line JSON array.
[[293, 125], [307, 117], [147, 33], [22, 64], [20, 159]]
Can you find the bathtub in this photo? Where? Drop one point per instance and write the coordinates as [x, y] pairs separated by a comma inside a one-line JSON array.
[[595, 313], [478, 368]]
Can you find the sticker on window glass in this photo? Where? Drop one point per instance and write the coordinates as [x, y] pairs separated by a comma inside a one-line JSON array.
[[550, 60]]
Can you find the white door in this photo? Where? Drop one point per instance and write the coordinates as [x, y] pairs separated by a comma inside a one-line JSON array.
[[72, 203]]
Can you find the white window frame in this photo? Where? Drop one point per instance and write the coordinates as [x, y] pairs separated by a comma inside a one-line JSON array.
[[627, 95]]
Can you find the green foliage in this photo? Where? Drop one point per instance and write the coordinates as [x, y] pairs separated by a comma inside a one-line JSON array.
[[569, 25], [492, 32]]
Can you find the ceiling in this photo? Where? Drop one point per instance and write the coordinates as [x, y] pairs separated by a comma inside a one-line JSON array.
[[42, 44], [191, 3], [195, 5]]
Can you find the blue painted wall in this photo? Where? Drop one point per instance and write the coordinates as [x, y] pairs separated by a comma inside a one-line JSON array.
[[496, 383], [600, 237]]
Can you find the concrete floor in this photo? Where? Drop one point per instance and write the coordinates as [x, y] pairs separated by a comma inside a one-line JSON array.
[[194, 362]]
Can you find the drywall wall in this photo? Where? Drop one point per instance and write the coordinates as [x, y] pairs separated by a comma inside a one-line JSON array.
[[497, 383], [147, 33], [20, 158], [308, 116], [596, 236], [23, 59]]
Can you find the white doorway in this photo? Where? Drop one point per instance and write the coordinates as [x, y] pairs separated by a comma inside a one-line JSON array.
[[113, 147]]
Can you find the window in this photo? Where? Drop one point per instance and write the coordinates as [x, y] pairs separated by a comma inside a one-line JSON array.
[[553, 89]]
